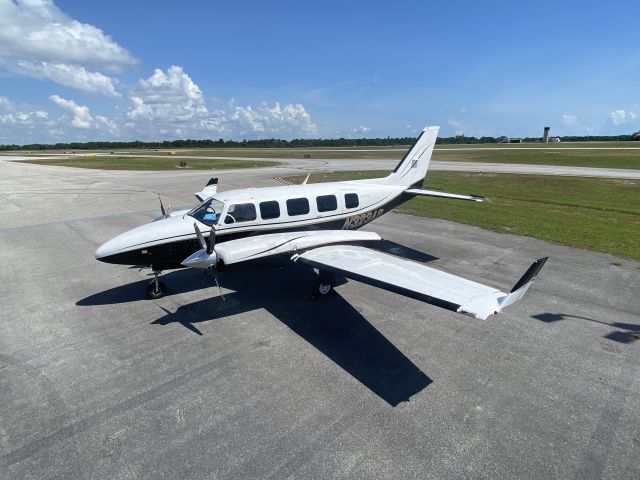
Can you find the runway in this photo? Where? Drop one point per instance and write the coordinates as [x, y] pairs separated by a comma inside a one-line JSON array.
[[333, 165], [98, 382]]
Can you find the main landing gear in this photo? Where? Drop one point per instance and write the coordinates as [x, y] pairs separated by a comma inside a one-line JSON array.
[[156, 289], [323, 285]]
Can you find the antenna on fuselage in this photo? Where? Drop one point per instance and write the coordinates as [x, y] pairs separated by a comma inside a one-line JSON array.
[[165, 213]]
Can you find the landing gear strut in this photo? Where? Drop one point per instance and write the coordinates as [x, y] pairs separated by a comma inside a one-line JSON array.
[[323, 285], [156, 289]]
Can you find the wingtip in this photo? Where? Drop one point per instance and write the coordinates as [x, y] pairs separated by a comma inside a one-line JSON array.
[[531, 273]]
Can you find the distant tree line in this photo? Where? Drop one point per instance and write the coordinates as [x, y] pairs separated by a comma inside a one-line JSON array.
[[296, 143]]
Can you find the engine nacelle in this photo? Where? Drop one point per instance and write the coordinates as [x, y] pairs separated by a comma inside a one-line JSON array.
[[201, 259]]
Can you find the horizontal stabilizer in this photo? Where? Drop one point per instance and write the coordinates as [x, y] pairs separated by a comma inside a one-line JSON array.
[[415, 280], [434, 193], [209, 190]]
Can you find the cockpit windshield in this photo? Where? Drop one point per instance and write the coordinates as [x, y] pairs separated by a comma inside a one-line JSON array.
[[208, 212]]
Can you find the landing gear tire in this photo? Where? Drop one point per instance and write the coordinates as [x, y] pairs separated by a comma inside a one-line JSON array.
[[156, 291], [321, 288]]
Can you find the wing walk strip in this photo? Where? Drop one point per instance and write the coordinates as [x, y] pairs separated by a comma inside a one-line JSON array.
[[416, 280]]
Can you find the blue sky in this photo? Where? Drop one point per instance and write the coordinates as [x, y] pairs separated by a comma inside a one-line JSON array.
[[161, 69]]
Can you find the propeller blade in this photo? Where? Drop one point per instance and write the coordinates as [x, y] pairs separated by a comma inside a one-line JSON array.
[[215, 277], [203, 244], [212, 240]]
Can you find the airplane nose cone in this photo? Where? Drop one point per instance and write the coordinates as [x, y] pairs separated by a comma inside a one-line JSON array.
[[126, 248], [105, 250]]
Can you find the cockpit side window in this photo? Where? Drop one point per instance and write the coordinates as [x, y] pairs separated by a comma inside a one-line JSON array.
[[208, 212], [240, 212]]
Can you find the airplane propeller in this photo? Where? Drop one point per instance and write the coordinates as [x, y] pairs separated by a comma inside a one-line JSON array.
[[206, 257]]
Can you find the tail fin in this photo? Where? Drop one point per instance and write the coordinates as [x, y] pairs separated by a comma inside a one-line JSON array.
[[413, 166]]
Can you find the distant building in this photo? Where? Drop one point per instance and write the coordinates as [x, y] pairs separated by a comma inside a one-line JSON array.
[[636, 135], [554, 139], [515, 140], [545, 135]]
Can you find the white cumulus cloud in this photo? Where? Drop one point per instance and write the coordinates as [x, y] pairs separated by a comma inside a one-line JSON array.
[[270, 120], [104, 122], [81, 117], [38, 40], [172, 104], [618, 116], [74, 76], [166, 105], [167, 97], [22, 123], [361, 129]]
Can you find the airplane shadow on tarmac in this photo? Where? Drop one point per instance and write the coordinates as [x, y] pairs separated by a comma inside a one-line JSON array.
[[629, 332], [331, 325]]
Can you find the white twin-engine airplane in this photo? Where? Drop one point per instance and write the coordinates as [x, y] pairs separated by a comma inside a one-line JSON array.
[[313, 225]]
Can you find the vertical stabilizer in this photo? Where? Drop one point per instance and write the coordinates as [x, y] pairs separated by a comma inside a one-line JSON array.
[[413, 167]]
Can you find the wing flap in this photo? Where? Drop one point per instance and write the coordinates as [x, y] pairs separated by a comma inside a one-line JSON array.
[[411, 279]]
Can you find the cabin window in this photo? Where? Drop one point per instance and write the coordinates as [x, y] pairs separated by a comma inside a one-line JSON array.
[[240, 212], [297, 206], [327, 203], [351, 200], [269, 210]]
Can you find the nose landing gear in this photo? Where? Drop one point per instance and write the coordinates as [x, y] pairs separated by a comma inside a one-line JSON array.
[[156, 289]]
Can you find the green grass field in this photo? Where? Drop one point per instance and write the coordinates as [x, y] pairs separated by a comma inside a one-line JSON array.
[[622, 158], [591, 213], [150, 163]]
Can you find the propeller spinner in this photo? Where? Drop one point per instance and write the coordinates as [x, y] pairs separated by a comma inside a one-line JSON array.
[[205, 257]]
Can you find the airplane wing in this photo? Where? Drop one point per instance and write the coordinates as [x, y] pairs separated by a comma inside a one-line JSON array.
[[334, 251], [416, 280]]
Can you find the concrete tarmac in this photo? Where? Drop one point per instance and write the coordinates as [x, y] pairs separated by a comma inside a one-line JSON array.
[[96, 381]]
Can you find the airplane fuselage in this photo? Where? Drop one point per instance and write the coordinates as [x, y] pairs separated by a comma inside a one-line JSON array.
[[164, 243]]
